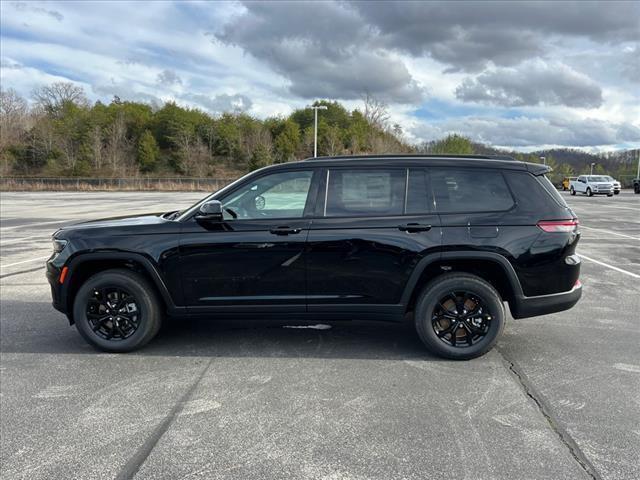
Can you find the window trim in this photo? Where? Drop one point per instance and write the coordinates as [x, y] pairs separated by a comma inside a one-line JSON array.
[[514, 201]]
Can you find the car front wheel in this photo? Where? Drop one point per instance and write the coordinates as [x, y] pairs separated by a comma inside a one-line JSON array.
[[589, 192], [459, 316], [117, 311], [572, 191]]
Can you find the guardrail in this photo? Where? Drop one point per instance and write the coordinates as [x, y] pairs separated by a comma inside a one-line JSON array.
[[96, 184]]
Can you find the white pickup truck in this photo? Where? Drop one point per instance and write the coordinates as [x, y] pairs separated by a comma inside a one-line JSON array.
[[591, 185]]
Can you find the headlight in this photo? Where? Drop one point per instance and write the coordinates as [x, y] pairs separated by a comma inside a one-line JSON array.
[[58, 245]]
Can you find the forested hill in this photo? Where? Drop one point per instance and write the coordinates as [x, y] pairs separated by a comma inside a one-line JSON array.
[[61, 133]]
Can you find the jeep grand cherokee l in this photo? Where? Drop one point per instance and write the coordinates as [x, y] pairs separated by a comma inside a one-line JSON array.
[[448, 239]]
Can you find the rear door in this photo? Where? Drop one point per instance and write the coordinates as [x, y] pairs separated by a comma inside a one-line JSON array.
[[371, 227]]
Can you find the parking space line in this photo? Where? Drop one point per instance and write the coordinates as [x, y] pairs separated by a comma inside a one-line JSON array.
[[18, 240], [634, 275], [25, 261], [13, 227], [610, 232], [619, 207]]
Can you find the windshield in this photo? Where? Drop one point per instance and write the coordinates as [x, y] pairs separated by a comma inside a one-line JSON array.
[[598, 179]]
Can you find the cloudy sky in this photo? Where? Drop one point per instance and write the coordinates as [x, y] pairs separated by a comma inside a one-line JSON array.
[[516, 74]]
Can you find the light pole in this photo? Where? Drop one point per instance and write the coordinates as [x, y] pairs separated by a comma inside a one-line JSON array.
[[315, 127], [592, 165]]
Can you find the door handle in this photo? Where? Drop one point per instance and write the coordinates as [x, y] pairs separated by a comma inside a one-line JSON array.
[[414, 227], [285, 230]]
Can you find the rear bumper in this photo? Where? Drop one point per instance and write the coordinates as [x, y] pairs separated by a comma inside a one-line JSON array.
[[525, 307]]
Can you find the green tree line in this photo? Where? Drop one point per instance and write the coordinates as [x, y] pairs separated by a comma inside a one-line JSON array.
[[61, 133]]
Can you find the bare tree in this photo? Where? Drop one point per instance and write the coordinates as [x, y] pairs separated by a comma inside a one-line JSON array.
[[117, 144], [52, 97], [14, 117], [376, 112], [97, 147], [332, 141]]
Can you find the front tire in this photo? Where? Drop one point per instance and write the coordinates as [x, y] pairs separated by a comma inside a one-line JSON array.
[[609, 194], [117, 311], [572, 191], [589, 192], [459, 316]]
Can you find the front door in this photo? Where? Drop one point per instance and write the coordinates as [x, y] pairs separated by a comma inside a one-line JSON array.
[[255, 259], [376, 225]]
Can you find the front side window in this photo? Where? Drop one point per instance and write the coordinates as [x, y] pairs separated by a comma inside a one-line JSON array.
[[470, 190], [279, 195], [365, 192]]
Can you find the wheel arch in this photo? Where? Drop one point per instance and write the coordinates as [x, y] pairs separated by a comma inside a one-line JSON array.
[[85, 265], [492, 267]]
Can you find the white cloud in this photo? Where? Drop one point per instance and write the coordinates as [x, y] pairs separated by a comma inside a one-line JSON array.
[[571, 81]]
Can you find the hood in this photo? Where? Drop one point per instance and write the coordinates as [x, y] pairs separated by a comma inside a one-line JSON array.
[[148, 223]]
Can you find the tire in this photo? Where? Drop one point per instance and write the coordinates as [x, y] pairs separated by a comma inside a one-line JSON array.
[[609, 194], [589, 192], [616, 192], [443, 287], [572, 191], [134, 288]]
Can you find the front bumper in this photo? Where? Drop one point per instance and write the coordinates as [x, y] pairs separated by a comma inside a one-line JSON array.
[[57, 300], [525, 307]]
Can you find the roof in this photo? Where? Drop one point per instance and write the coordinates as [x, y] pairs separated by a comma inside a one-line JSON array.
[[412, 156], [488, 161]]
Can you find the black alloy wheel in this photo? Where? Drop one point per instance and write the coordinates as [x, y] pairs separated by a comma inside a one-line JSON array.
[[117, 310], [461, 319], [113, 313], [459, 316]]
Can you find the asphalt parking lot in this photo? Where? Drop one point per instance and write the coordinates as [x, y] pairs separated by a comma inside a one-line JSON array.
[[559, 398]]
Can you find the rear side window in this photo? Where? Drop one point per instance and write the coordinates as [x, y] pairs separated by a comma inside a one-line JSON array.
[[548, 186], [531, 196], [470, 190], [365, 192]]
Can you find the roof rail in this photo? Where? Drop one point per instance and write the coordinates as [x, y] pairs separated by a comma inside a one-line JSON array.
[[413, 155]]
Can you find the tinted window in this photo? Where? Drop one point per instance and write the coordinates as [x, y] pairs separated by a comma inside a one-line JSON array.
[[548, 186], [365, 192], [280, 195], [530, 193], [418, 196], [472, 190]]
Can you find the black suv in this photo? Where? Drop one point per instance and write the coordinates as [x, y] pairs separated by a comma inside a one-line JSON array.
[[447, 239]]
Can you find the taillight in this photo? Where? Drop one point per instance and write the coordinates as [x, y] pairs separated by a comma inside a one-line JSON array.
[[559, 226]]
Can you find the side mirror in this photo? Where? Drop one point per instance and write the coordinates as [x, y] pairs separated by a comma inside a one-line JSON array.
[[210, 211]]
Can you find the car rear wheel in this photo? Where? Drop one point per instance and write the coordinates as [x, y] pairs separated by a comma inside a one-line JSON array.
[[117, 311], [589, 192], [459, 316], [572, 191]]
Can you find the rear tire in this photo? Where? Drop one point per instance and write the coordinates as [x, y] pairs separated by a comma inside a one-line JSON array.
[[572, 191], [589, 192], [480, 332], [117, 311], [617, 192]]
